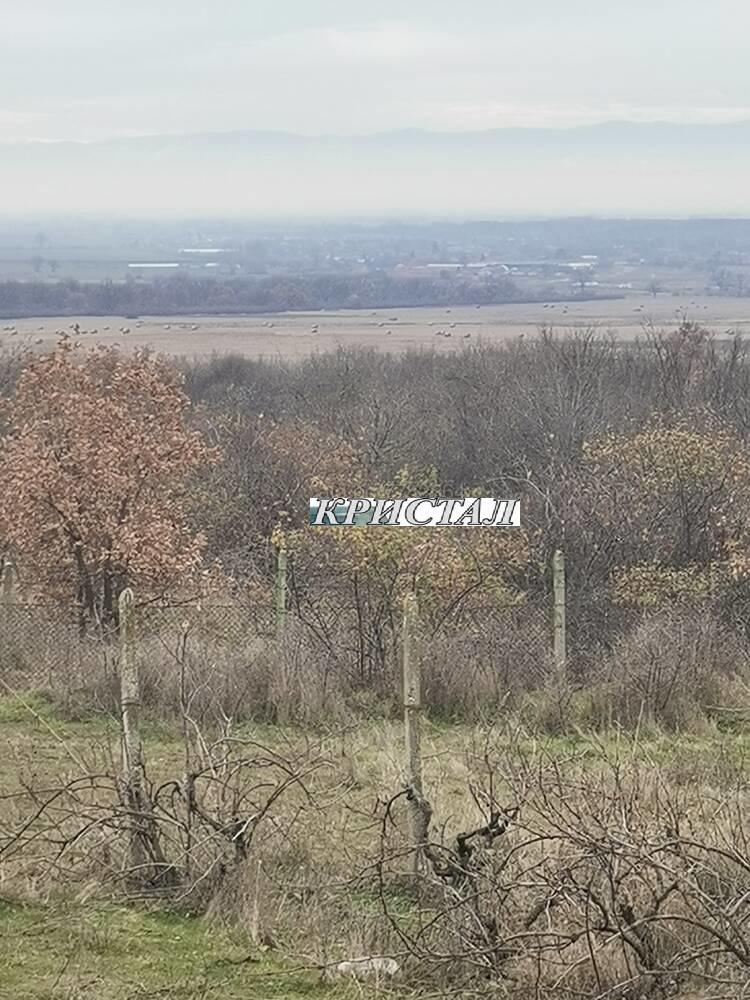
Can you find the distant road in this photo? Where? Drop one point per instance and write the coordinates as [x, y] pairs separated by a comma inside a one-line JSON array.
[[289, 335]]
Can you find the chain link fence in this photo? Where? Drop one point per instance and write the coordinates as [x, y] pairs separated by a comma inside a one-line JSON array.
[[49, 646], [241, 659]]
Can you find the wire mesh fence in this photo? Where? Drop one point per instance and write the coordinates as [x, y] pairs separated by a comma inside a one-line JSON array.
[[46, 644], [302, 659]]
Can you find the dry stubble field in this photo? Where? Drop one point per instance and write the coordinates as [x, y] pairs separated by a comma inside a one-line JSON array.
[[290, 335]]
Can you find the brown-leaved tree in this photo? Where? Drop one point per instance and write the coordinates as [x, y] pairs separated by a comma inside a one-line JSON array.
[[96, 461]]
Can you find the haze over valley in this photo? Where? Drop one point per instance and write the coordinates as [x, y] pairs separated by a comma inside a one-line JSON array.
[[617, 168]]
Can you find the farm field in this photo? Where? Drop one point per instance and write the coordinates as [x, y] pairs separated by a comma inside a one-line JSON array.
[[290, 335]]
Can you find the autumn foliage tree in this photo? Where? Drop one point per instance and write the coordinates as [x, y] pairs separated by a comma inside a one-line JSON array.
[[675, 495], [96, 458]]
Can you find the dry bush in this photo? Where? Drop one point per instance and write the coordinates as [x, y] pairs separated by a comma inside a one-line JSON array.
[[199, 814], [221, 681], [238, 677], [594, 876], [472, 671], [673, 668]]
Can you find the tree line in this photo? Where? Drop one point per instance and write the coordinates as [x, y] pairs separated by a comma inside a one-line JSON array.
[[186, 294]]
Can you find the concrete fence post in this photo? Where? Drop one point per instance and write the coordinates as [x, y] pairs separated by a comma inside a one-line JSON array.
[[146, 855], [130, 694], [560, 627], [412, 681], [281, 593]]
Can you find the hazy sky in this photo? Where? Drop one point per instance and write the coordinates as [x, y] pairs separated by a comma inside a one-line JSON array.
[[83, 69]]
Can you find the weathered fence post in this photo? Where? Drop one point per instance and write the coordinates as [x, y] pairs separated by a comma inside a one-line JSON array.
[[130, 692], [130, 704], [7, 584], [412, 679], [146, 856], [560, 640], [281, 593]]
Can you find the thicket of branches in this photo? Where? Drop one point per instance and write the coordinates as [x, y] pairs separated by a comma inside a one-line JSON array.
[[597, 873], [630, 457]]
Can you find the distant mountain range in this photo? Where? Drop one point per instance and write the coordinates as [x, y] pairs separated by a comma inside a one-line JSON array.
[[585, 138], [617, 167]]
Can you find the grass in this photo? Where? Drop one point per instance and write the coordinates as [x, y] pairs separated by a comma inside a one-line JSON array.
[[32, 730], [68, 948], [66, 951], [72, 943]]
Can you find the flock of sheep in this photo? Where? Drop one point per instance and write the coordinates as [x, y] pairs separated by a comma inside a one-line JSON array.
[[79, 331], [443, 331]]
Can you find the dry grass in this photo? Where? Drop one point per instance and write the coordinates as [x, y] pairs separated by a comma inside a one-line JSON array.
[[326, 876], [681, 669]]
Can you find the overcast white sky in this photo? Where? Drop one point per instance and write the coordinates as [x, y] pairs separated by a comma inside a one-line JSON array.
[[84, 69]]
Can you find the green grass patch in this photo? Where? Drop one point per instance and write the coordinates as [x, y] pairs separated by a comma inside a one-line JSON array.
[[56, 951]]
